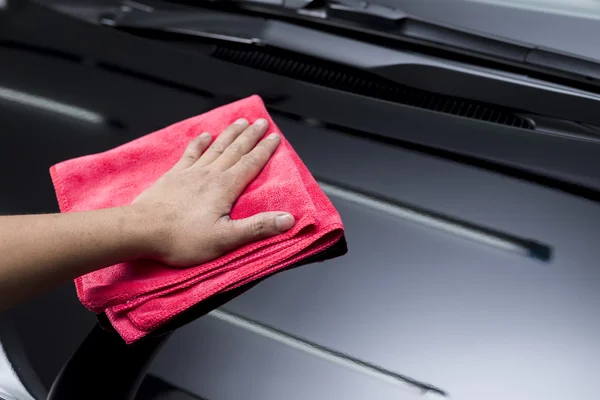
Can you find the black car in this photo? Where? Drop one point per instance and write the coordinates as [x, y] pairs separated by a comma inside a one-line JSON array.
[[459, 140]]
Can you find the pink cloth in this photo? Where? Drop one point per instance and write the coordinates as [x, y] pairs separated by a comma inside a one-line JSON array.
[[141, 296]]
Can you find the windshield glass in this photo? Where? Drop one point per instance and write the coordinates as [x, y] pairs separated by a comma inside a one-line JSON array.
[[588, 9], [570, 26], [581, 8]]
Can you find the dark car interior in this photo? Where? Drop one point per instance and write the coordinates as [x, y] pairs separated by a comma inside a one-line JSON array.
[[464, 165]]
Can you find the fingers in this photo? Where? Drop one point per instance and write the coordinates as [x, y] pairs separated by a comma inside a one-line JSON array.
[[250, 165], [257, 227], [193, 151], [243, 144], [222, 142]]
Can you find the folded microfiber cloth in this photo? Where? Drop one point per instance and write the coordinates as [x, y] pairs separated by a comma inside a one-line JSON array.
[[143, 296]]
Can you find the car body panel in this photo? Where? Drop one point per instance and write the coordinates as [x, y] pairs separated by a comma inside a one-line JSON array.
[[474, 321]]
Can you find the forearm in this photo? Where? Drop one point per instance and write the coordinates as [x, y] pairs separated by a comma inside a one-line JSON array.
[[38, 252]]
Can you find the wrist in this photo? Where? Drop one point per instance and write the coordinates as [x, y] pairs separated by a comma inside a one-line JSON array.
[[148, 230]]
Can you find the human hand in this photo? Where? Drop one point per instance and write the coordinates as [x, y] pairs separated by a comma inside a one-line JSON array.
[[190, 204]]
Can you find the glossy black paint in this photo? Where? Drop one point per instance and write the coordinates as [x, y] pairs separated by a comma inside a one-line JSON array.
[[475, 321]]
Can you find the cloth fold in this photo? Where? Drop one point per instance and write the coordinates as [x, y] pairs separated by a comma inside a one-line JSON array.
[[140, 297]]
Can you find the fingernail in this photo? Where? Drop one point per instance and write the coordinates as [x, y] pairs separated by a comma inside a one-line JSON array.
[[241, 121], [284, 222], [205, 135], [260, 122], [273, 136]]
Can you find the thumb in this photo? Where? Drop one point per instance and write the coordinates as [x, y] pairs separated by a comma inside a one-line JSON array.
[[259, 226]]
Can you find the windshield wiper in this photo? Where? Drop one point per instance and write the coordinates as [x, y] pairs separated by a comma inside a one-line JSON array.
[[366, 20], [384, 21], [395, 22]]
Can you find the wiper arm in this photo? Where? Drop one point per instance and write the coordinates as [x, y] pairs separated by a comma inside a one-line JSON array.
[[395, 23]]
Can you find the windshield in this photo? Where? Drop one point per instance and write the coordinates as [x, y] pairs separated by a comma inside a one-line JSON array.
[[565, 25], [580, 8]]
